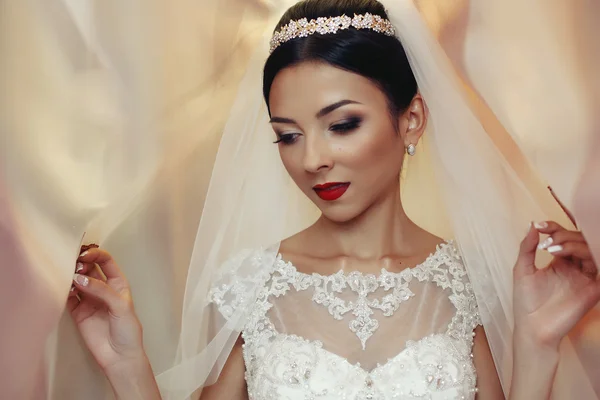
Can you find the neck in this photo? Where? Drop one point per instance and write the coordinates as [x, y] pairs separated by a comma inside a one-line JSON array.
[[383, 229]]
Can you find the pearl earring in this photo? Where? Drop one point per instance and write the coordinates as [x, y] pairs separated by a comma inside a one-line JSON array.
[[411, 149]]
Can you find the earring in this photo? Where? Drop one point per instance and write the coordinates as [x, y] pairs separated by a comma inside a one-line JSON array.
[[411, 149]]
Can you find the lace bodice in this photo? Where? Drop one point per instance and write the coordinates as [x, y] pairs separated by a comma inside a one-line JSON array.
[[406, 335]]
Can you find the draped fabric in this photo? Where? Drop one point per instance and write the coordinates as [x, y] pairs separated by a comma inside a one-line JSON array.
[[111, 114]]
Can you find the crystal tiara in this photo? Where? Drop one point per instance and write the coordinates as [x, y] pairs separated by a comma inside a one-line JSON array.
[[322, 25]]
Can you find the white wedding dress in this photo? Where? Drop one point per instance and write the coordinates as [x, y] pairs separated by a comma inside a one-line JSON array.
[[405, 335]]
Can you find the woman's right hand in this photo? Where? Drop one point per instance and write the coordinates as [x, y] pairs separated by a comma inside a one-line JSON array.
[[102, 309]]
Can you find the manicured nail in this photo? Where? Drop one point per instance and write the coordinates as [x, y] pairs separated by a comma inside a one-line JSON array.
[[81, 279], [555, 249], [546, 243], [83, 254], [541, 225], [79, 267]]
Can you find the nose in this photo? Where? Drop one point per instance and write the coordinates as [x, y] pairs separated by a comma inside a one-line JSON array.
[[317, 154]]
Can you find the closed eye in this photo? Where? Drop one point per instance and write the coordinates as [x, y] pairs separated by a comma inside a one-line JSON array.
[[346, 126], [287, 138]]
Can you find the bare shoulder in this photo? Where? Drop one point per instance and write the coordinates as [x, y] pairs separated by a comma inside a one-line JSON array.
[[311, 251], [299, 242], [429, 241]]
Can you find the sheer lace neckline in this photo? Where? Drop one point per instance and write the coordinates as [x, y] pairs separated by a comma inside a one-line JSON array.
[[439, 249], [293, 349]]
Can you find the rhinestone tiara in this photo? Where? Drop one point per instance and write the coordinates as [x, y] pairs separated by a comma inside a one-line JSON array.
[[323, 25]]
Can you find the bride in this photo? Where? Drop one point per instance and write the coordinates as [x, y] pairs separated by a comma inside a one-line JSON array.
[[364, 302]]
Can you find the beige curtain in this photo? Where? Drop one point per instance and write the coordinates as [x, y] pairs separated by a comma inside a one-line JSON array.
[[110, 116]]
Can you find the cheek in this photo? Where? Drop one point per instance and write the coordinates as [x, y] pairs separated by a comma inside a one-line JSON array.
[[286, 160], [292, 162], [372, 150]]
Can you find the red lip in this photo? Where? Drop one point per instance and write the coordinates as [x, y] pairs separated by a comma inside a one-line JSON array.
[[331, 191]]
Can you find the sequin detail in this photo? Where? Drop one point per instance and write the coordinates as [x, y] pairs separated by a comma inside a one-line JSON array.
[[286, 366]]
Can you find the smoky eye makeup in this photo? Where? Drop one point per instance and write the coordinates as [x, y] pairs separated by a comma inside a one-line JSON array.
[[341, 126], [346, 125], [286, 138]]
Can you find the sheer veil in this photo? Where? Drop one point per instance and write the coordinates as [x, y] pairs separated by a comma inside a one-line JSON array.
[[164, 86], [465, 172]]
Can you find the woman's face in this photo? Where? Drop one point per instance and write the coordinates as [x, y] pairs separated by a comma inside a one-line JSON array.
[[337, 139]]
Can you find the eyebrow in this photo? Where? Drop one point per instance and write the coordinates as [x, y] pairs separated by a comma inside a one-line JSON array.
[[331, 108], [323, 112]]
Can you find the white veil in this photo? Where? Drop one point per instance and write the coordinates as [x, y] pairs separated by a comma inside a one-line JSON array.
[[465, 186], [173, 68]]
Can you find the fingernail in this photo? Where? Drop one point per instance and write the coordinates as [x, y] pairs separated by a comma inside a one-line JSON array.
[[72, 288], [545, 244], [79, 267], [555, 249], [83, 254], [528, 228], [81, 279], [541, 225]]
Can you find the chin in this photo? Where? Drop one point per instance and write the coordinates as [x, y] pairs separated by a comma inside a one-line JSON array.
[[340, 213]]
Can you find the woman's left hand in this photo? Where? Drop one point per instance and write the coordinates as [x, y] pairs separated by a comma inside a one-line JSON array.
[[549, 302]]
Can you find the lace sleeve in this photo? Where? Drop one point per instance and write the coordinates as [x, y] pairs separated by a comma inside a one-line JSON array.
[[238, 281], [467, 316]]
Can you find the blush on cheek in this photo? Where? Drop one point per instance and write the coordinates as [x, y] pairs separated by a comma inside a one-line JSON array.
[[376, 148], [379, 157]]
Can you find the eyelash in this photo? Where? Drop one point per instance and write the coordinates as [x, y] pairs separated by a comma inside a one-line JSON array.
[[287, 138], [342, 128], [346, 126]]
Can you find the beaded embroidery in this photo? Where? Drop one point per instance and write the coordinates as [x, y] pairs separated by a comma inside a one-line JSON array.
[[286, 366]]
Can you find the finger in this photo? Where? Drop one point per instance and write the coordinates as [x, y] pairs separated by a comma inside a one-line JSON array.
[[525, 264], [571, 249], [105, 262], [85, 247], [561, 237], [73, 292], [102, 292], [96, 273], [548, 227], [72, 303], [83, 268]]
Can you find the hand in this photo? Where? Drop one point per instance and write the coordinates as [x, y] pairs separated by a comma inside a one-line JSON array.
[[102, 309], [549, 302]]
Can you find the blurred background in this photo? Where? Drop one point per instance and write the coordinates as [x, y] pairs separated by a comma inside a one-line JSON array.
[[110, 118]]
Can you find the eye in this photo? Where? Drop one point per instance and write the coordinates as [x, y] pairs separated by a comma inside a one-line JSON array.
[[287, 138], [346, 126]]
